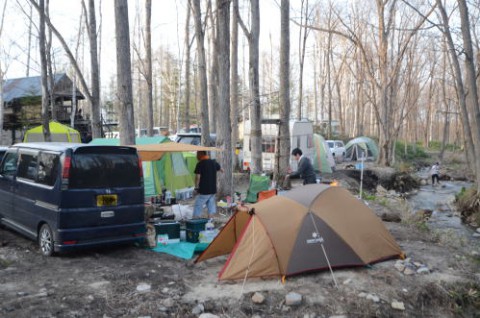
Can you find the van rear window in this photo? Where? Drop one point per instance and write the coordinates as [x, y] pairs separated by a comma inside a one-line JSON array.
[[104, 170]]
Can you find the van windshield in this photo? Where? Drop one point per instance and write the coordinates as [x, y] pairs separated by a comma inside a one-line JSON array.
[[104, 170]]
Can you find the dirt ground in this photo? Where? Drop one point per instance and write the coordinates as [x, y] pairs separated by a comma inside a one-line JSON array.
[[131, 281]]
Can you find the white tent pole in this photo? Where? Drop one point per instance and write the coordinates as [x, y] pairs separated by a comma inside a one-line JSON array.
[[323, 249], [329, 266]]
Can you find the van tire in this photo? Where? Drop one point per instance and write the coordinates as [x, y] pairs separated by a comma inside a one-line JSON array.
[[45, 240]]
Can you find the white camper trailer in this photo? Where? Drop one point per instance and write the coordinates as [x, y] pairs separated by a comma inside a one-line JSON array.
[[301, 136]]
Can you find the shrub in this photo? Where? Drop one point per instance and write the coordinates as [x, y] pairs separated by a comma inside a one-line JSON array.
[[412, 151]]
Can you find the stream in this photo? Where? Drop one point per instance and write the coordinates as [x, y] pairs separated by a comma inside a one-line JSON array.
[[440, 199]]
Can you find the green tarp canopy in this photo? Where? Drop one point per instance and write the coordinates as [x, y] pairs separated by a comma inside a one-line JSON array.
[[170, 172]]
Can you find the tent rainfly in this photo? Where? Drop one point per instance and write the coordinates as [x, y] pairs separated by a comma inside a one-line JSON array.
[[361, 146], [311, 228], [323, 160], [58, 133]]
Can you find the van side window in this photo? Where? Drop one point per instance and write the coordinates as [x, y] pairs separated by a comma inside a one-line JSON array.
[[27, 167], [9, 167], [48, 166]]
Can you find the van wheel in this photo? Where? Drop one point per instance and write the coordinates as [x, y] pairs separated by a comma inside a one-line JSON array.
[[45, 240]]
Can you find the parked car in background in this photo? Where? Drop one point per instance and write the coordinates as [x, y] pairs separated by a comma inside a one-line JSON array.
[[2, 152], [337, 148], [69, 196], [194, 138]]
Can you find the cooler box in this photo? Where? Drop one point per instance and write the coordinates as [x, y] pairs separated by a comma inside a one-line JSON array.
[[193, 229], [196, 224], [170, 228]]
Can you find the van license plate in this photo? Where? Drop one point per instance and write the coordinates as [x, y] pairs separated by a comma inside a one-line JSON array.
[[107, 214], [107, 200]]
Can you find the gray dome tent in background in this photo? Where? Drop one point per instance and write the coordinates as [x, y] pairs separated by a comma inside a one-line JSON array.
[[361, 146]]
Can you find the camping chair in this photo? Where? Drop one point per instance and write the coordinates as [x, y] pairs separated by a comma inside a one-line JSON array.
[[257, 183], [262, 195]]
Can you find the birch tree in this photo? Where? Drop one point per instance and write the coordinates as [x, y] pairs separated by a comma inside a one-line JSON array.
[[124, 74]]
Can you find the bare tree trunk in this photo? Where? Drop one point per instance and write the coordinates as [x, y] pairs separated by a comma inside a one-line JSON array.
[[224, 136], [44, 79], [29, 48], [471, 83], [148, 66], [50, 72], [2, 72], [74, 79], [202, 70], [124, 74], [234, 110], [70, 56], [255, 110], [213, 78], [283, 153], [302, 42], [458, 83], [187, 71], [95, 71]]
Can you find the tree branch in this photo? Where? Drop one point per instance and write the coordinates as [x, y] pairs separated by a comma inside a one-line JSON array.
[[67, 51]]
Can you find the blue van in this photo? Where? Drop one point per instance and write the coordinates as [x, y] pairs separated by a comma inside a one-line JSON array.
[[68, 196]]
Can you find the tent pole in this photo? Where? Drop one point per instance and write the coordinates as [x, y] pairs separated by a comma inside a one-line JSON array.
[[329, 266], [323, 249]]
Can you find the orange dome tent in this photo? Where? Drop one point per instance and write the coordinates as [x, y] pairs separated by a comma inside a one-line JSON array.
[[310, 228]]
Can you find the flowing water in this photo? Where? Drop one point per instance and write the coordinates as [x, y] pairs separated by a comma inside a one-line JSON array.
[[440, 199]]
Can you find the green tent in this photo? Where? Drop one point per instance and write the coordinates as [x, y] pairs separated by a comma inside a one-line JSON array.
[[191, 161], [322, 158], [361, 146], [170, 172], [58, 133]]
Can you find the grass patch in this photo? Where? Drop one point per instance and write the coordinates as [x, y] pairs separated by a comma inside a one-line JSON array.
[[409, 152], [4, 263], [466, 298]]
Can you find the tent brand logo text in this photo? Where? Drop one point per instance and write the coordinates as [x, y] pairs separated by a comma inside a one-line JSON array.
[[315, 239]]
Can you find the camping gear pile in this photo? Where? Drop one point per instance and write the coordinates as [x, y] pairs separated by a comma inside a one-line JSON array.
[[310, 228]]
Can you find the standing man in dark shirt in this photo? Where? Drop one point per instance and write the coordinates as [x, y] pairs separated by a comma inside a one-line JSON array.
[[305, 169], [205, 184]]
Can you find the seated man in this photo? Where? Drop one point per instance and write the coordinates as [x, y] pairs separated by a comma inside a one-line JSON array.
[[305, 169]]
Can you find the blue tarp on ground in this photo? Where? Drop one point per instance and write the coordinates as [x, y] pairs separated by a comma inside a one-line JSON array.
[[183, 250]]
